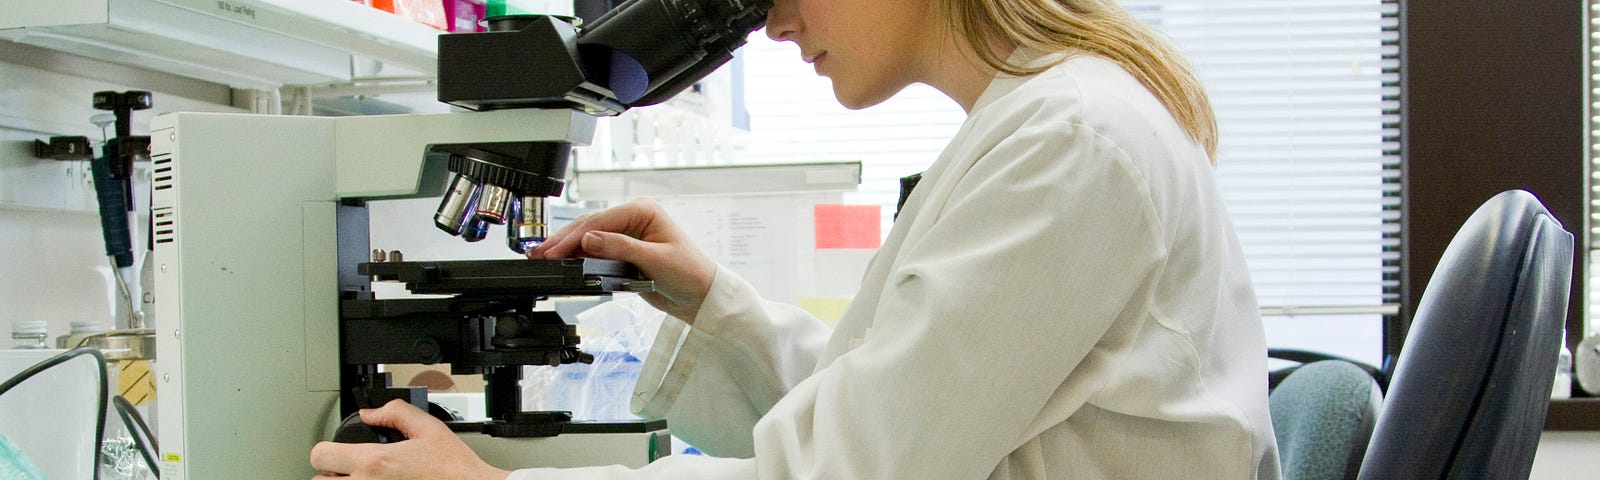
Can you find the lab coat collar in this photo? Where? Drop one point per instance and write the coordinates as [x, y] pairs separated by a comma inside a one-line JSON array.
[[1003, 84]]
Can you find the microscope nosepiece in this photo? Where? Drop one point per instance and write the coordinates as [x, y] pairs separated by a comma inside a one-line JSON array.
[[501, 183], [459, 202]]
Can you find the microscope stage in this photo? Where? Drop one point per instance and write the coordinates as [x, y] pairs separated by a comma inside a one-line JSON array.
[[567, 276]]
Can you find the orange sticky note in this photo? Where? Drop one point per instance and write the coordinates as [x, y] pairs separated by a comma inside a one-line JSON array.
[[848, 226]]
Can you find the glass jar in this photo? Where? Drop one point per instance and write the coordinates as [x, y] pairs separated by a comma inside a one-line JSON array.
[[80, 329], [29, 335]]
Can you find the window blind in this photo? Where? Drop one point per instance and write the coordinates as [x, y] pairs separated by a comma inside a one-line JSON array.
[[1592, 97], [1307, 101]]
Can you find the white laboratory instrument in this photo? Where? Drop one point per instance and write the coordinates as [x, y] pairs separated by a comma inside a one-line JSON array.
[[265, 319], [260, 228]]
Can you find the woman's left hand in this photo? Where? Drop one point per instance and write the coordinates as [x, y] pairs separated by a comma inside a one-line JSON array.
[[429, 452]]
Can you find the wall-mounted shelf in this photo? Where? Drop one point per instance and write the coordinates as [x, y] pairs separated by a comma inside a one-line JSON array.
[[260, 44], [620, 185]]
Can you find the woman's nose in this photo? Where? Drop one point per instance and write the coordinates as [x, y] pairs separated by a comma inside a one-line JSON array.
[[782, 21]]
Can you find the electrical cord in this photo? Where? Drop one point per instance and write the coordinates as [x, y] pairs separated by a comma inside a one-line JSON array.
[[46, 364], [140, 432]]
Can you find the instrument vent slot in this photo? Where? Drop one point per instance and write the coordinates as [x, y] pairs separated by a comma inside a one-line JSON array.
[[164, 173], [165, 222]]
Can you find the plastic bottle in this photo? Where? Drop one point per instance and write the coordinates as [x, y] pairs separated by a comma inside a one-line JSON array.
[[1562, 388], [495, 8], [29, 335]]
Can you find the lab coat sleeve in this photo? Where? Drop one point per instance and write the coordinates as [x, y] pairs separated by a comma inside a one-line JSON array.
[[984, 328], [714, 380], [672, 467], [982, 332]]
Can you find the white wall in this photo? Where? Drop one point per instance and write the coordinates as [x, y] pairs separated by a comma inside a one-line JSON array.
[[52, 262], [1567, 456]]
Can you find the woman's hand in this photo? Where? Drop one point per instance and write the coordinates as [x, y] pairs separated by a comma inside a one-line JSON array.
[[429, 452], [639, 232]]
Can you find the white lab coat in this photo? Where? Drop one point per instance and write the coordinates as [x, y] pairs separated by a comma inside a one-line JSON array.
[[1061, 297]]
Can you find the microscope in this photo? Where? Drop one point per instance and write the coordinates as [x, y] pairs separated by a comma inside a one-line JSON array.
[[268, 334]]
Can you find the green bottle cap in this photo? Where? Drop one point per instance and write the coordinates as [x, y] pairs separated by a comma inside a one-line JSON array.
[[494, 8]]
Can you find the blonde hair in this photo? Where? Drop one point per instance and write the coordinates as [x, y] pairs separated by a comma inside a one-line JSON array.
[[1095, 27]]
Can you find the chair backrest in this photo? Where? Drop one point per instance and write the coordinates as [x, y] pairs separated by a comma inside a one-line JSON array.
[[1469, 393], [1322, 414], [1302, 358]]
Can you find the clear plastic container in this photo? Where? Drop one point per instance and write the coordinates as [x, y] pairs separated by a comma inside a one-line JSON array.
[[598, 391], [29, 335], [50, 418]]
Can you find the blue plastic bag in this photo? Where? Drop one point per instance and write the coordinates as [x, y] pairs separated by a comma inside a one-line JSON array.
[[14, 465], [619, 334]]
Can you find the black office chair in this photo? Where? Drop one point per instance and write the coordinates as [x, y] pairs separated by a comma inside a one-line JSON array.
[[1470, 390]]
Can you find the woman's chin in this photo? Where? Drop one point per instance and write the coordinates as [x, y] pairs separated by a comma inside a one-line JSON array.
[[856, 98]]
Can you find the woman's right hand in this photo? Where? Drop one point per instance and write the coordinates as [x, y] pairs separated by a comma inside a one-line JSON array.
[[640, 232]]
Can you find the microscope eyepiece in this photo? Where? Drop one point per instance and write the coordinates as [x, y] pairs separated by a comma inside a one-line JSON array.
[[650, 51], [640, 53]]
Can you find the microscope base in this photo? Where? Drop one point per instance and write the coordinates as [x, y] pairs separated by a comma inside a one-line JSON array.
[[631, 449]]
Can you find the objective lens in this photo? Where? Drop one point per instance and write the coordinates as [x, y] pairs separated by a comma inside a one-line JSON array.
[[457, 204], [493, 203], [527, 228], [475, 230]]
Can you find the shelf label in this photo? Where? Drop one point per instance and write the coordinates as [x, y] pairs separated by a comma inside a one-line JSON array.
[[238, 9]]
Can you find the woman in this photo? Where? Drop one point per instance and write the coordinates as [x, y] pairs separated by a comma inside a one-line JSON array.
[[1061, 296]]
